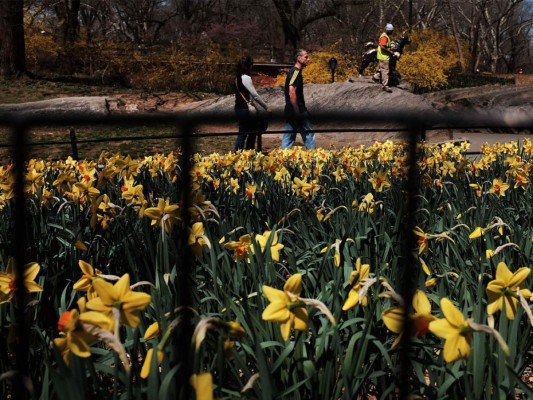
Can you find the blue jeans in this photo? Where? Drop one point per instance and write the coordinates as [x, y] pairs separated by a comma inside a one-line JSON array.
[[305, 129]]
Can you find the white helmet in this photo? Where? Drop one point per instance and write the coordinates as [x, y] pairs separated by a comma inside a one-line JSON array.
[[389, 28]]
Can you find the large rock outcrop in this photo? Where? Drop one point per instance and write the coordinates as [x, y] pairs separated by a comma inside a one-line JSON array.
[[89, 106]]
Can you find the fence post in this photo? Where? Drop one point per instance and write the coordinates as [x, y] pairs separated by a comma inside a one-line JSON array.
[[74, 143], [407, 274], [184, 287], [259, 141], [20, 247]]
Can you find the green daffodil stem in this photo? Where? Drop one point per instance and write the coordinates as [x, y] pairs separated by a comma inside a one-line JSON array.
[[511, 293], [291, 305], [167, 335]]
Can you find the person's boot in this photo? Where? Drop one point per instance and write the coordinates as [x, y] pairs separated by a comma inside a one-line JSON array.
[[387, 89]]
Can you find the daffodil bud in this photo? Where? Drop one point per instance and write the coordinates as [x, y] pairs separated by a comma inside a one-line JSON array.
[[152, 331]]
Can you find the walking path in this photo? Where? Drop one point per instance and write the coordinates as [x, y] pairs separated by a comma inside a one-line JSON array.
[[339, 140]]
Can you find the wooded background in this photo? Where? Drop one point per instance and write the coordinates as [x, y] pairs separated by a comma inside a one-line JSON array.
[[92, 37]]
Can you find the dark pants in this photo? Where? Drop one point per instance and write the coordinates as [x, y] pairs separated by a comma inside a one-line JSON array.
[[248, 128]]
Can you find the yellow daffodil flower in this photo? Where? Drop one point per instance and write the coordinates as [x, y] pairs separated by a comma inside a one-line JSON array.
[[502, 290], [121, 298], [128, 167], [285, 306], [425, 267], [282, 176], [203, 385], [275, 247], [145, 370], [322, 214], [74, 339], [477, 189], [33, 181], [81, 191], [234, 182], [394, 317], [367, 203], [499, 187], [339, 174], [105, 176], [164, 214], [422, 239], [134, 196], [358, 170], [360, 273], [47, 196], [234, 329], [477, 233], [337, 256], [454, 329], [379, 180], [241, 248], [430, 282], [85, 283], [307, 189], [64, 181], [521, 181], [8, 280], [198, 239], [447, 168], [250, 192], [152, 331]]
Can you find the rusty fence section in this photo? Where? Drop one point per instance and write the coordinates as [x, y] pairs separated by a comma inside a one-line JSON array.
[[414, 126]]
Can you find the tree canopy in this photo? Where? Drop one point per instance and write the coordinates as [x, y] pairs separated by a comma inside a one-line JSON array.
[[497, 33]]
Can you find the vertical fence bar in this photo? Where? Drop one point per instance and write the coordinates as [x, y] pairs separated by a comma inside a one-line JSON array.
[[185, 278], [74, 143], [407, 275], [259, 141], [20, 254]]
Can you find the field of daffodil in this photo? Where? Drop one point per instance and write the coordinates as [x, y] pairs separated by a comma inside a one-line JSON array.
[[295, 286]]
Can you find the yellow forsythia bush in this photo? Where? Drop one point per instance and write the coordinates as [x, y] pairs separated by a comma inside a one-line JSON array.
[[429, 59], [41, 47], [318, 70]]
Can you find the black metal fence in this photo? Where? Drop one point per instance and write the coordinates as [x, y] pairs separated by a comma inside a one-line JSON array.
[[408, 123], [414, 127]]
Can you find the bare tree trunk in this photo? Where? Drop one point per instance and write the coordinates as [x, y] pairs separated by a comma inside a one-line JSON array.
[[73, 25], [12, 46], [286, 14], [67, 12], [475, 52], [457, 39]]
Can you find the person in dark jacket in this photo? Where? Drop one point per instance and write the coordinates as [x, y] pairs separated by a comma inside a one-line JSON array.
[[249, 125]]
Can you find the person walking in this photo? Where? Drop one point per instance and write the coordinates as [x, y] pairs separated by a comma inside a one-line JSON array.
[[249, 125], [384, 55], [296, 114]]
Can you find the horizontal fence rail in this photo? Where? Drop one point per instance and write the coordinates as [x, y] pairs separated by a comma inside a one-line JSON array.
[[406, 122], [412, 125]]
